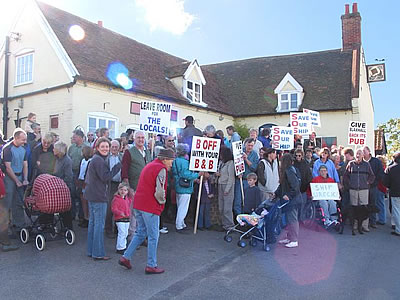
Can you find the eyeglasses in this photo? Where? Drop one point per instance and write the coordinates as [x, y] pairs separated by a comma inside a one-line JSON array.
[[170, 140], [299, 155]]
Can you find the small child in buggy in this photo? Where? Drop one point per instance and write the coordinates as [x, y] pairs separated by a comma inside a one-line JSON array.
[[261, 221], [47, 205]]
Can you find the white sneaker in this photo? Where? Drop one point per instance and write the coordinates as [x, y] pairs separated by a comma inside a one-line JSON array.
[[164, 230], [285, 241], [292, 245], [328, 223]]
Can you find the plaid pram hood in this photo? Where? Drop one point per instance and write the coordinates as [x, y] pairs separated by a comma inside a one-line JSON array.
[[50, 195]]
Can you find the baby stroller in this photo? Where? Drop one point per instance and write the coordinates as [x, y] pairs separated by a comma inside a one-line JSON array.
[[264, 227], [45, 204]]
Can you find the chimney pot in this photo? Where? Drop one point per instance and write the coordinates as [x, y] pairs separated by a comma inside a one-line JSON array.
[[354, 7], [347, 9], [100, 23]]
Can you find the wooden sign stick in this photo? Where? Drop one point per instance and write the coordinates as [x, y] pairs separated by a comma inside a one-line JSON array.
[[241, 189], [198, 205]]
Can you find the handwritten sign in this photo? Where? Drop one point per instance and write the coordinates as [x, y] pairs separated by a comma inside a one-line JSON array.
[[357, 133], [314, 117], [282, 137], [325, 191], [204, 154], [155, 117], [237, 149], [301, 123]]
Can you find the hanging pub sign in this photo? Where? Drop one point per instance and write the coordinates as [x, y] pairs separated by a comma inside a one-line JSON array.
[[376, 73]]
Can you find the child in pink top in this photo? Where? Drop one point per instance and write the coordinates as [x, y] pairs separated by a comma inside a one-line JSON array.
[[121, 208]]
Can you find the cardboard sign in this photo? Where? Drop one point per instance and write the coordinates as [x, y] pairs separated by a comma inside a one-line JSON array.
[[282, 137], [325, 191], [237, 149], [204, 154], [155, 117], [301, 123], [357, 133], [314, 117]]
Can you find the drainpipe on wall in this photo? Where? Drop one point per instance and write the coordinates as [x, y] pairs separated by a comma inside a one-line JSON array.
[[5, 99]]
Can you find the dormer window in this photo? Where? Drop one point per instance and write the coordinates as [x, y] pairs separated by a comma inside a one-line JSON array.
[[193, 91], [290, 94]]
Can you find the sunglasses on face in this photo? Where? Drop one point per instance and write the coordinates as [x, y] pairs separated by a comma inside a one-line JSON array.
[[298, 155]]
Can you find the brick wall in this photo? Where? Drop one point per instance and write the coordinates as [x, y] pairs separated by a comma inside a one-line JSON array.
[[351, 28]]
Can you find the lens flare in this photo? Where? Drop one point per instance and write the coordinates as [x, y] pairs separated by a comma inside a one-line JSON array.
[[118, 74], [76, 32]]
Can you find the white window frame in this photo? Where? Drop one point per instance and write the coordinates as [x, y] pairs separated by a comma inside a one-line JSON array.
[[17, 65], [195, 95], [104, 116], [298, 89]]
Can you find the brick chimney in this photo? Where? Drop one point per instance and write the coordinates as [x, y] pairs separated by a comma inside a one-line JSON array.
[[351, 28], [100, 23]]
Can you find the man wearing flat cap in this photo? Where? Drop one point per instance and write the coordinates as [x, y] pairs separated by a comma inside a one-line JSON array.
[[148, 206], [189, 131]]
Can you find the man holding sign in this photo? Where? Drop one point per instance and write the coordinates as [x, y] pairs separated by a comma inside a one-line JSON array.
[[250, 158], [321, 189]]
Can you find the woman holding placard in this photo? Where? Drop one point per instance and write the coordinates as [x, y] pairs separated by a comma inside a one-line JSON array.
[[226, 187], [183, 185], [289, 190]]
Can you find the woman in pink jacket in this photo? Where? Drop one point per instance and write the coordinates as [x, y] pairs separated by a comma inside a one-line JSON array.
[[121, 208]]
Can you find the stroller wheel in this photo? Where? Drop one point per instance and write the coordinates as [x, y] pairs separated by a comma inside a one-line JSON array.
[[241, 244], [253, 242], [70, 237], [40, 242], [267, 248], [228, 238], [24, 235]]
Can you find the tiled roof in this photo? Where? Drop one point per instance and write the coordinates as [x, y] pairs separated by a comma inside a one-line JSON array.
[[239, 88], [249, 84]]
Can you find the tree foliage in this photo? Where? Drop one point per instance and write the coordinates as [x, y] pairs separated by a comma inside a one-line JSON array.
[[242, 129], [392, 135]]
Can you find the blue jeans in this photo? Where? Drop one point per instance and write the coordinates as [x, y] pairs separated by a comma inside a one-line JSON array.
[[345, 199], [380, 203], [95, 240], [373, 191], [204, 215], [14, 199], [147, 226], [237, 201]]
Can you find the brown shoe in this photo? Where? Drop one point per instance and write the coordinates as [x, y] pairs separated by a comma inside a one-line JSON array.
[[373, 226], [155, 270], [125, 263]]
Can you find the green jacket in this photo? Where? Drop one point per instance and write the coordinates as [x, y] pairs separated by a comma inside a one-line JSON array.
[[137, 164]]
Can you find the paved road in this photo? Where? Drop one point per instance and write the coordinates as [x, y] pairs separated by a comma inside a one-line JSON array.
[[325, 266]]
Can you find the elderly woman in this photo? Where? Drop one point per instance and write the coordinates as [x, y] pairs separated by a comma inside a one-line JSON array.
[[43, 159], [97, 193], [63, 170], [182, 174]]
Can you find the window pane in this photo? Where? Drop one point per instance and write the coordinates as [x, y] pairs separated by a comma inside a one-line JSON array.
[[284, 97], [102, 123], [328, 141], [92, 124], [111, 127], [197, 86], [189, 95], [293, 100], [285, 105], [190, 85]]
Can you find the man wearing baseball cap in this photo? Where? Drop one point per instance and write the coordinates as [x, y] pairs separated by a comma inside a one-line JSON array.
[[189, 131]]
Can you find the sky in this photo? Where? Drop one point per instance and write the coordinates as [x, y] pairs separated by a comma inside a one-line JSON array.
[[213, 31]]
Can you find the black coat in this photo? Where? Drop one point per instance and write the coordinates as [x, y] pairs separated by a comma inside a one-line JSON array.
[[392, 180], [305, 174]]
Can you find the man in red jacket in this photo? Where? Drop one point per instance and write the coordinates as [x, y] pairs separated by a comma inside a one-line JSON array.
[[328, 206], [148, 205]]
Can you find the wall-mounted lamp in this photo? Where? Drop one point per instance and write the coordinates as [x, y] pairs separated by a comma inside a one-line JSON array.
[[221, 118], [104, 105]]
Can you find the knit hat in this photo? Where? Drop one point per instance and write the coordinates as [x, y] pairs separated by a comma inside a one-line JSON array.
[[166, 154]]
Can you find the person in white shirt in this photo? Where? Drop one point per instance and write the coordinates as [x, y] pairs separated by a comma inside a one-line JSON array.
[[257, 145]]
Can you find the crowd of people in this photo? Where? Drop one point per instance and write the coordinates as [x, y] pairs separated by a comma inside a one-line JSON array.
[[129, 188]]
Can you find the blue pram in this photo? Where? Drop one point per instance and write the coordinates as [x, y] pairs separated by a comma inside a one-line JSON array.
[[264, 227]]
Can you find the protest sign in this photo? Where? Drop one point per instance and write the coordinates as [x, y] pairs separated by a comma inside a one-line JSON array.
[[155, 117], [301, 123], [282, 137], [238, 157], [357, 133], [325, 191], [204, 154], [314, 117]]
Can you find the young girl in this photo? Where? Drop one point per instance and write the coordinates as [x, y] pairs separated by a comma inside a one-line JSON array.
[[121, 208], [31, 119]]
